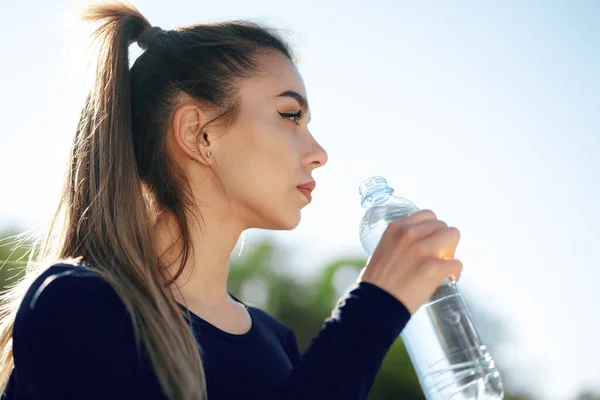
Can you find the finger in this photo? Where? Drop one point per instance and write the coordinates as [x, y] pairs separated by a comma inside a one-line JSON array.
[[436, 271], [450, 269], [413, 219], [401, 225], [423, 230], [419, 217], [441, 244]]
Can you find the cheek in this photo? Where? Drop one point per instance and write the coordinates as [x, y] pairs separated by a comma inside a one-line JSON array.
[[262, 163]]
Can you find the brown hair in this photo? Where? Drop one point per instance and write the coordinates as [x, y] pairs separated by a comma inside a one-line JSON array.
[[120, 175]]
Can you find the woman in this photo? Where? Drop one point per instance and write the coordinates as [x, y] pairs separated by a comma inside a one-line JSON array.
[[204, 137]]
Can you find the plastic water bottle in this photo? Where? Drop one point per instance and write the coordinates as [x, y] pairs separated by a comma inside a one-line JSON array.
[[441, 338]]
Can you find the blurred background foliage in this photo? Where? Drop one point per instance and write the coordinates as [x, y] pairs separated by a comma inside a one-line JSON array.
[[258, 278]]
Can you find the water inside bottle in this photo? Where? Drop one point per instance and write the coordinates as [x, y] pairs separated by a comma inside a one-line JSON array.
[[450, 358]]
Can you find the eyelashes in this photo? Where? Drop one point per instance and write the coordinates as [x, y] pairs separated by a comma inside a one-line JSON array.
[[297, 116]]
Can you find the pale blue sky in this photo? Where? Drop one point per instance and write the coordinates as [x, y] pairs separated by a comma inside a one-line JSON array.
[[487, 113]]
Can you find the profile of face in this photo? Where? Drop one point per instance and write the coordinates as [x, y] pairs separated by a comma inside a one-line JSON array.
[[258, 163]]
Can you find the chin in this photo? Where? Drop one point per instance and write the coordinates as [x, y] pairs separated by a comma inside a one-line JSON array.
[[289, 224], [284, 222], [293, 224]]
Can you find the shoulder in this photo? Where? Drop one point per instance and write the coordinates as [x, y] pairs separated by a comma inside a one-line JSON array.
[[70, 306], [66, 288], [72, 321]]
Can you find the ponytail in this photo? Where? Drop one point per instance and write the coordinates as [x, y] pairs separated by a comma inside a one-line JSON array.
[[121, 176]]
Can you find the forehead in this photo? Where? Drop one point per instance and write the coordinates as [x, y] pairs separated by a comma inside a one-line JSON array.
[[277, 74]]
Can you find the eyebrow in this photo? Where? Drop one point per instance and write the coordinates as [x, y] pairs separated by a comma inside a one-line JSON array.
[[296, 96]]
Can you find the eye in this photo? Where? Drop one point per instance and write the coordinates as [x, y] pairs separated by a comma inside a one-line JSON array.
[[296, 116]]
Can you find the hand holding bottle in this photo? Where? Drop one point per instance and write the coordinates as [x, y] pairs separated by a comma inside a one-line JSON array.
[[414, 256]]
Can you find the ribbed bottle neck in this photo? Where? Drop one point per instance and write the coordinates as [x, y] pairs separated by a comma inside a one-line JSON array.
[[374, 190]]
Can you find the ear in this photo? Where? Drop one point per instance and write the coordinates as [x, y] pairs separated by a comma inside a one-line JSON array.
[[188, 121]]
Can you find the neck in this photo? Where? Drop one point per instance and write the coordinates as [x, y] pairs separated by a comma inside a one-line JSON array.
[[203, 282]]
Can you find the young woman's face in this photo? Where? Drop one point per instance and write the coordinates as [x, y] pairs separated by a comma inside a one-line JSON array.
[[263, 158]]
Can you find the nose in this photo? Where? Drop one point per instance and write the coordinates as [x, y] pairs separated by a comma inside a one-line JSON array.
[[317, 156]]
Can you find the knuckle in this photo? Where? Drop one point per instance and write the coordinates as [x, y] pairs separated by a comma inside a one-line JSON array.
[[428, 213], [396, 225], [393, 229], [442, 224], [459, 265], [389, 229], [455, 231], [455, 264], [400, 231], [409, 232], [457, 270]]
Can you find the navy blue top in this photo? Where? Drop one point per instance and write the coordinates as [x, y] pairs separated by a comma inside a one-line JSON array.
[[73, 339]]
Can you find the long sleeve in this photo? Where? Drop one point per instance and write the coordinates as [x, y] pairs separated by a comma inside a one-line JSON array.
[[73, 339], [343, 359]]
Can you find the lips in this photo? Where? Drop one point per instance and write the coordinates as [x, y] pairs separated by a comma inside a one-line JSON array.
[[307, 188]]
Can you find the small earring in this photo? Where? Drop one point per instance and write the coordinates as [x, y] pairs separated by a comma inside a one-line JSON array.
[[193, 150], [208, 154]]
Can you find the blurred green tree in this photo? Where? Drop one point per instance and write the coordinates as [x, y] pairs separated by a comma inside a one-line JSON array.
[[13, 258]]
